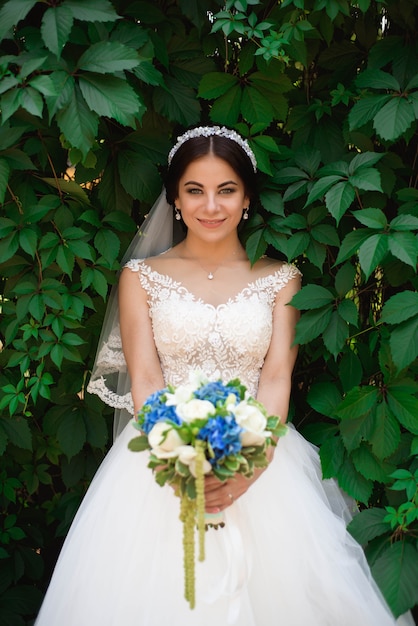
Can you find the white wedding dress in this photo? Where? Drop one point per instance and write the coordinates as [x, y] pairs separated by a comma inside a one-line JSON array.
[[284, 556]]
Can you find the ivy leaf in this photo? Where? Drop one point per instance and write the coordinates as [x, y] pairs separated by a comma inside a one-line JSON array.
[[339, 198], [177, 102], [12, 12], [366, 179], [78, 123], [312, 297], [256, 107], [105, 57], [72, 433], [372, 252], [386, 436], [368, 524], [56, 26], [324, 398], [404, 407], [353, 483], [394, 118], [404, 343], [400, 307], [4, 178], [396, 572], [357, 402], [226, 109], [92, 11], [312, 324], [372, 218], [348, 311], [215, 84], [404, 246], [351, 244], [110, 96], [335, 335]]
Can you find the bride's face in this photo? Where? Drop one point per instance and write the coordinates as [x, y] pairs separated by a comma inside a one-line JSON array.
[[211, 198]]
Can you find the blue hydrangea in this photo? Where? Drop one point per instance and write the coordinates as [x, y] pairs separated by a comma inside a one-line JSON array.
[[215, 392], [155, 410], [224, 436]]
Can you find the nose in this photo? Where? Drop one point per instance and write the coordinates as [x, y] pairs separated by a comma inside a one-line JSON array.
[[211, 203]]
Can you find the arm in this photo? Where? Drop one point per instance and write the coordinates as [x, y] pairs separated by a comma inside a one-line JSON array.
[[273, 391], [137, 339]]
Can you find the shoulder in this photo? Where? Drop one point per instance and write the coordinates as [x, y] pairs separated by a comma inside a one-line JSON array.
[[276, 270]]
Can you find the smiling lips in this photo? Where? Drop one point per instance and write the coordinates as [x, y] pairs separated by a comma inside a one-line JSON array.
[[211, 223]]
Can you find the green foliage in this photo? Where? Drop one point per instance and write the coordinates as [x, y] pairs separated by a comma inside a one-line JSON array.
[[91, 94]]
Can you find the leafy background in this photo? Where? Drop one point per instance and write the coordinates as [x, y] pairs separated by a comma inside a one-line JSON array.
[[92, 93]]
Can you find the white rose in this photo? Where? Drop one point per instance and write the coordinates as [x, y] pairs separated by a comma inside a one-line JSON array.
[[197, 378], [164, 441], [187, 456], [254, 423], [182, 394], [195, 409], [207, 467]]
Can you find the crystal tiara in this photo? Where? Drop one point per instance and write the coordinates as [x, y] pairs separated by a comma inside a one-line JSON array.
[[209, 131]]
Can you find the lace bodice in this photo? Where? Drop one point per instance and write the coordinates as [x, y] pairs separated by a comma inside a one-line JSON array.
[[225, 341]]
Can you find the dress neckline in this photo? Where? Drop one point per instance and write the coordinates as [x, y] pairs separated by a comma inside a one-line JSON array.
[[250, 286]]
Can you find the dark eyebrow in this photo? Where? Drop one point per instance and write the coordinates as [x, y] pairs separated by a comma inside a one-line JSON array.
[[227, 182]]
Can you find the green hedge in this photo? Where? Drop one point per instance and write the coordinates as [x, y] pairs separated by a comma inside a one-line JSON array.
[[92, 93]]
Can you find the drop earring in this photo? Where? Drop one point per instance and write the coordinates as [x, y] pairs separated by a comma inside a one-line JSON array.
[[245, 214], [178, 214]]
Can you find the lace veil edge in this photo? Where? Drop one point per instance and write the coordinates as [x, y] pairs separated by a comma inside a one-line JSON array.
[[109, 378]]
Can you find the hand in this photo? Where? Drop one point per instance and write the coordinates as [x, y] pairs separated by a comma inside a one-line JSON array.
[[219, 495]]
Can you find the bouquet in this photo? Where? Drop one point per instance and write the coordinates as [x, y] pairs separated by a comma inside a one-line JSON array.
[[199, 428]]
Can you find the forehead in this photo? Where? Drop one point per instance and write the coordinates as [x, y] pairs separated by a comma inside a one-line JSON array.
[[209, 168]]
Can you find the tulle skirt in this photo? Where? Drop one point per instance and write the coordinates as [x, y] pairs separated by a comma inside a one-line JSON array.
[[283, 557]]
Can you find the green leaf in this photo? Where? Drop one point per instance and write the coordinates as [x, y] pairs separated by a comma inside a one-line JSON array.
[[109, 96], [372, 252], [332, 455], [17, 431], [404, 407], [12, 12], [255, 107], [359, 401], [370, 466], [92, 11], [56, 26], [177, 102], [78, 123], [139, 177], [215, 84], [386, 436], [394, 119], [344, 279], [138, 444], [105, 57], [404, 343], [4, 178], [312, 297], [353, 483], [226, 109], [372, 218], [320, 188], [396, 573], [335, 335], [366, 179], [364, 159], [325, 234], [400, 307], [312, 324], [31, 100], [377, 79], [339, 198], [348, 311], [72, 433], [368, 524], [324, 398], [256, 245], [365, 110], [108, 244], [351, 243], [350, 371], [404, 246]]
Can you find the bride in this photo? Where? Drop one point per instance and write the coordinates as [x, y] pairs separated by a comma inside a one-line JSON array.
[[284, 555]]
